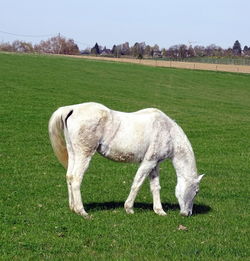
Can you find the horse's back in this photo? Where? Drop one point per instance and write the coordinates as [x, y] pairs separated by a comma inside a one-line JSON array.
[[89, 109], [97, 110], [131, 135]]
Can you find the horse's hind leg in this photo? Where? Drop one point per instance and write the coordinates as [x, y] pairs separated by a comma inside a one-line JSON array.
[[155, 187], [74, 180], [145, 168], [69, 177], [79, 157]]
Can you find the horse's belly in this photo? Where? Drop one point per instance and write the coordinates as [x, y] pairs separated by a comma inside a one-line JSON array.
[[118, 156], [123, 152]]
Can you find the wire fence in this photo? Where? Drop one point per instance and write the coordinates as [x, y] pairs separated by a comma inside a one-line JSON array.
[[237, 68], [211, 60]]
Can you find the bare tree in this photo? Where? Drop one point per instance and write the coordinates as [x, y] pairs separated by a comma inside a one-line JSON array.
[[213, 50], [190, 51], [173, 52], [183, 51], [137, 50], [199, 50], [57, 45], [164, 52], [17, 46], [6, 47], [148, 50], [125, 50], [116, 51]]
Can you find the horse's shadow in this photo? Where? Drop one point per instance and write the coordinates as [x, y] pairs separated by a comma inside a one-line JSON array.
[[197, 209]]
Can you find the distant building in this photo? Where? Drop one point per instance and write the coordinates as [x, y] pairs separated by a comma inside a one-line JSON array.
[[157, 54], [85, 52], [106, 52]]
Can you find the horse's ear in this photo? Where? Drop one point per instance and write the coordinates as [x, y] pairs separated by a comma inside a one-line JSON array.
[[200, 177]]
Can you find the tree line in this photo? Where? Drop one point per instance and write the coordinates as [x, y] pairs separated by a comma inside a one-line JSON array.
[[180, 51], [54, 45], [62, 45]]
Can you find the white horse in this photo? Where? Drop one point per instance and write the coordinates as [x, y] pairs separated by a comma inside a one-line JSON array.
[[147, 137]]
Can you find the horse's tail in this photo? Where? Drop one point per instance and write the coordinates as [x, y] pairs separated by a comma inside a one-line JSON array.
[[56, 134]]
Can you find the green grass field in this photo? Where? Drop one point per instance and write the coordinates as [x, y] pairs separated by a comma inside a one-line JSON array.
[[35, 221]]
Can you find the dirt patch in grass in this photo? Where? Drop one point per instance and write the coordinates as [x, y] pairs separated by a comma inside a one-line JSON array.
[[183, 65]]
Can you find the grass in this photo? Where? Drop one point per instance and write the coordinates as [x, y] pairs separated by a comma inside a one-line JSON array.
[[36, 224]]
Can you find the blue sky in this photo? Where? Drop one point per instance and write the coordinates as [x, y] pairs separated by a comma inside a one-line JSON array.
[[109, 22]]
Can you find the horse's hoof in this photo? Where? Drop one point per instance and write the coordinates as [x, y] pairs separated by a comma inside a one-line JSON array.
[[129, 210], [82, 213], [160, 212], [186, 213], [88, 217]]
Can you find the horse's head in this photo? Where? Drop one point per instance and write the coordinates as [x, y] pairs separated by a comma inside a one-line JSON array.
[[185, 191]]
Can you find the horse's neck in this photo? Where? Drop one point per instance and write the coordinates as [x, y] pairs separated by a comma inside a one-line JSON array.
[[183, 158], [185, 167]]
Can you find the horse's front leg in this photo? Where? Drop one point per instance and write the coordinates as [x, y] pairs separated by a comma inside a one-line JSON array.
[[145, 168], [155, 187]]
